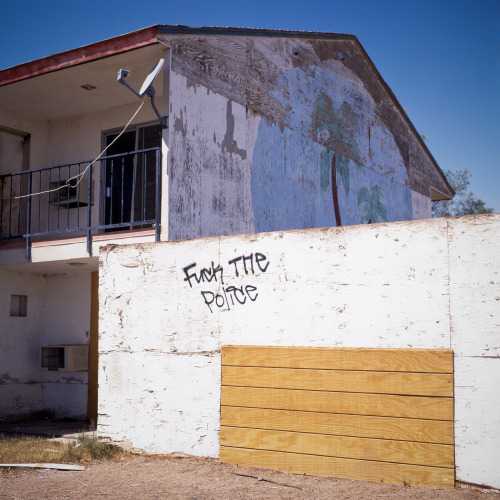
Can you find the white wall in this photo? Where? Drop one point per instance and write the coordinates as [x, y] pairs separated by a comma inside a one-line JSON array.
[[422, 206], [66, 321], [474, 252], [39, 142], [209, 187], [285, 133], [20, 380], [422, 284], [58, 314]]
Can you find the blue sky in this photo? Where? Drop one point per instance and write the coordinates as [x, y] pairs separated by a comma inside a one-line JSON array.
[[440, 57]]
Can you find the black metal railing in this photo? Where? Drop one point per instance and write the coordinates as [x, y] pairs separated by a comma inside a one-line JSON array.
[[65, 198]]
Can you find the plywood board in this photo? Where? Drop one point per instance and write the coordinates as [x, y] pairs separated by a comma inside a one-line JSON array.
[[387, 405], [422, 384], [372, 414], [380, 450], [344, 358], [404, 429], [363, 470]]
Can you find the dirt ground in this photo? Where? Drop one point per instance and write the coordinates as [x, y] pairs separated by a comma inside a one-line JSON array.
[[201, 478]]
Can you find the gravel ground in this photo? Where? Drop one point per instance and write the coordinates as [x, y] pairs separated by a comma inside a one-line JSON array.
[[201, 478]]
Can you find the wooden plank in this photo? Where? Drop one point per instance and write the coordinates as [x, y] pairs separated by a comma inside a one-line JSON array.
[[417, 384], [404, 429], [93, 349], [381, 450], [421, 407], [364, 470], [342, 358]]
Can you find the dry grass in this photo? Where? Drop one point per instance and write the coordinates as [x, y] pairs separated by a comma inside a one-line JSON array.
[[30, 449]]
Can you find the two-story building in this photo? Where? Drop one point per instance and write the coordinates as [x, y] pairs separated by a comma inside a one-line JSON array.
[[251, 131]]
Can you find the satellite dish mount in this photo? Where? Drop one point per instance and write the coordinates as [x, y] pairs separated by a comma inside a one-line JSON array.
[[147, 88]]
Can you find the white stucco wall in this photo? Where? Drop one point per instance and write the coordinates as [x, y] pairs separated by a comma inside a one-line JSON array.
[[421, 205], [66, 321], [423, 284], [58, 314], [20, 377], [39, 141], [210, 163]]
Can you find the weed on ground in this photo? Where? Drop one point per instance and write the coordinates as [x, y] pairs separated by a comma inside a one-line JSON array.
[[16, 449]]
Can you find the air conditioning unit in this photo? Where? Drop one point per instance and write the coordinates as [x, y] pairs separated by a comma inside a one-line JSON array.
[[70, 195], [71, 358]]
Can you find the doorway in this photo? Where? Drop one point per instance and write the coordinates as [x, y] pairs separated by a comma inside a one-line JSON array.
[[129, 181], [14, 159]]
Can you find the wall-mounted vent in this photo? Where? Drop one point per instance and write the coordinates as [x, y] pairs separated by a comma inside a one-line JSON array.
[[78, 358], [71, 358]]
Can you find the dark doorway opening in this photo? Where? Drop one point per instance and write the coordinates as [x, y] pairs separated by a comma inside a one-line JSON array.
[[130, 181]]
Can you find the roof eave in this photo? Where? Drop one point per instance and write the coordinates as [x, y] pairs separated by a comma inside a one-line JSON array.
[[408, 121], [81, 55], [166, 29]]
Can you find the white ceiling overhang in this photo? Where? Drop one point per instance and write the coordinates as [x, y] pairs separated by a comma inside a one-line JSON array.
[[60, 94]]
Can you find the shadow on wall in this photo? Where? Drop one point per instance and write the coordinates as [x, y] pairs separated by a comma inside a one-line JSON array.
[[333, 163]]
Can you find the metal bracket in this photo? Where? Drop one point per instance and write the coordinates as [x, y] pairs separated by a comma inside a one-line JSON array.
[[150, 92]]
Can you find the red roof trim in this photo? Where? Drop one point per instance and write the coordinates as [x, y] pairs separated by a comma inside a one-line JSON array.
[[81, 55]]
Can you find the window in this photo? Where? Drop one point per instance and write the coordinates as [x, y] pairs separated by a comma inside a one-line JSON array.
[[53, 357], [18, 305]]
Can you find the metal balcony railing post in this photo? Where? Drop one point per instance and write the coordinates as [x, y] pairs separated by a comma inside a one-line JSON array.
[[28, 220], [157, 196], [89, 213], [10, 206]]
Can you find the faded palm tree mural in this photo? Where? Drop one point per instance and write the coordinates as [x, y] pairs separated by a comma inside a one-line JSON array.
[[335, 131], [330, 161], [371, 204]]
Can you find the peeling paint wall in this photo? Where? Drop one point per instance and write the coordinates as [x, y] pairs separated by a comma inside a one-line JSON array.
[[20, 377], [66, 321], [58, 313], [166, 308], [209, 167], [271, 134]]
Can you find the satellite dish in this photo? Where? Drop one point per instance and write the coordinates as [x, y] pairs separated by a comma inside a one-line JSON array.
[[150, 78], [146, 88]]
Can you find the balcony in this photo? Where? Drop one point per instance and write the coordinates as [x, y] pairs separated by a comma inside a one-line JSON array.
[[117, 192]]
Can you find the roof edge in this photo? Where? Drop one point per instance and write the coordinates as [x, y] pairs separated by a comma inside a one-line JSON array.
[[167, 29], [80, 55], [407, 119]]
